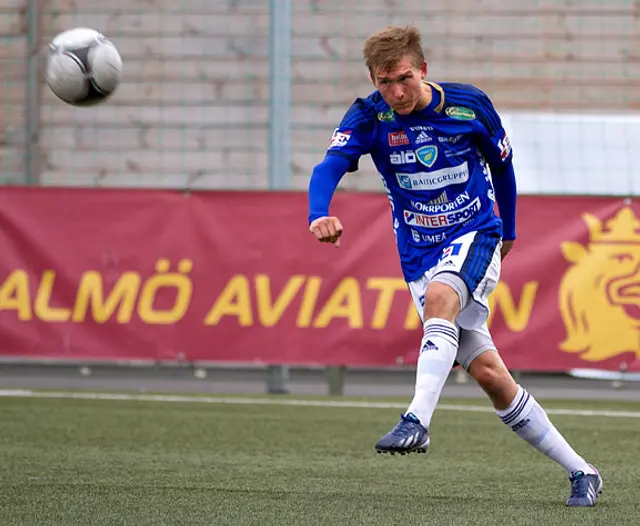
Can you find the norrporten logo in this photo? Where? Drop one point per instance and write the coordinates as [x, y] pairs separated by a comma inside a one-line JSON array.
[[599, 296]]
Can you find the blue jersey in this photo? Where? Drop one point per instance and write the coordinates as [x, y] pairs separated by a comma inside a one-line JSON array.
[[435, 166]]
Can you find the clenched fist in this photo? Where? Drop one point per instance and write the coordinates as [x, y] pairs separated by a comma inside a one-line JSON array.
[[327, 230]]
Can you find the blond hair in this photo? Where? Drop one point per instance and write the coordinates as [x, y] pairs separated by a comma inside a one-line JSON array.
[[385, 48]]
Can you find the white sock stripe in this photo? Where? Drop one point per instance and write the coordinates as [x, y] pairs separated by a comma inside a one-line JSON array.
[[442, 328], [517, 412], [442, 334], [432, 329], [509, 418], [506, 413], [439, 322]]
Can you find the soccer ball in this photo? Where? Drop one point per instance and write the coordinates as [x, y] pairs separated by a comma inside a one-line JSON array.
[[83, 67]]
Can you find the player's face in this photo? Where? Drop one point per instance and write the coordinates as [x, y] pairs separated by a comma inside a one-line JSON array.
[[401, 87]]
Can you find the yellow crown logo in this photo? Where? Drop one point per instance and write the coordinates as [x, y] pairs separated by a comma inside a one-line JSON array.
[[599, 295], [623, 228]]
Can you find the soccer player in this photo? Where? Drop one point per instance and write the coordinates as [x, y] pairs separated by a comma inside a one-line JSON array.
[[445, 161]]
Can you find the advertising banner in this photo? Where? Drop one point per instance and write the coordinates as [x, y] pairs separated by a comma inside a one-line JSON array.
[[236, 277]]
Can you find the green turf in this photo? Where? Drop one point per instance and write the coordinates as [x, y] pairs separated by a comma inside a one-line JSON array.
[[571, 403], [139, 463]]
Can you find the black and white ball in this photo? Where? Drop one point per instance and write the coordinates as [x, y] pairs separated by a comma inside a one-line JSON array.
[[83, 67]]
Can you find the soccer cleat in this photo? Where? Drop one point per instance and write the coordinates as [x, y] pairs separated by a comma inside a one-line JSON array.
[[585, 488], [408, 436]]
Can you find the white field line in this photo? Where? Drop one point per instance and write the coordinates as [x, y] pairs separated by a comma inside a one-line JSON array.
[[24, 393]]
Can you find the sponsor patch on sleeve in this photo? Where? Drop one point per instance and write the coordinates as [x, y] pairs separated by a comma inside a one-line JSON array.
[[339, 138], [505, 147]]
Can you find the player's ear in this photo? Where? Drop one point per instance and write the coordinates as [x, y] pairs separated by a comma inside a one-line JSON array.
[[423, 70], [373, 78]]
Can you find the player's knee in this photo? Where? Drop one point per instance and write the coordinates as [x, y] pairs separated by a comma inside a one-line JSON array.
[[441, 301], [491, 373]]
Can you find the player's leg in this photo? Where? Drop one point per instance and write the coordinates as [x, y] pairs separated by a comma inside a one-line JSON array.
[[437, 352], [470, 263], [478, 356], [439, 296], [444, 298], [521, 412]]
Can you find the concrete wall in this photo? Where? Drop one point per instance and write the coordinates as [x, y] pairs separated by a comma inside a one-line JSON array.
[[13, 72], [192, 109]]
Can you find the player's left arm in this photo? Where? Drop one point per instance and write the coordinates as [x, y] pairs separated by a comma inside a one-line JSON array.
[[496, 148]]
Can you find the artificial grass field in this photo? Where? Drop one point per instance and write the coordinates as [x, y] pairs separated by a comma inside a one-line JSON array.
[[123, 462]]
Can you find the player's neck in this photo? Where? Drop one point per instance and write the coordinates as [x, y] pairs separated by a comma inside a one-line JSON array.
[[425, 98]]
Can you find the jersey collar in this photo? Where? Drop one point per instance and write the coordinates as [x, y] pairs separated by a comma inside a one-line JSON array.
[[437, 98]]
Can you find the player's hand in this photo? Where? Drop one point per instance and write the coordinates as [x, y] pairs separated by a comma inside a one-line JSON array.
[[506, 248], [327, 230]]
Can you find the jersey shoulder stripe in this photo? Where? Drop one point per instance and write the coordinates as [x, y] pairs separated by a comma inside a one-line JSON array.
[[360, 114], [473, 98]]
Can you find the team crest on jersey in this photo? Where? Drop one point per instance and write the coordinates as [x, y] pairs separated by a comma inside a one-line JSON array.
[[461, 113], [386, 116], [427, 155]]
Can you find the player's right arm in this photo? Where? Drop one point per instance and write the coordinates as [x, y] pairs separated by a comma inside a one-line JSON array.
[[496, 147], [349, 142]]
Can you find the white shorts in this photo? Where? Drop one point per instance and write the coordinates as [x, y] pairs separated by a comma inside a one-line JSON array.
[[475, 258]]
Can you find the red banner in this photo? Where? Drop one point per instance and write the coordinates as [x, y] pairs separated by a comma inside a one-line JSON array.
[[96, 274]]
